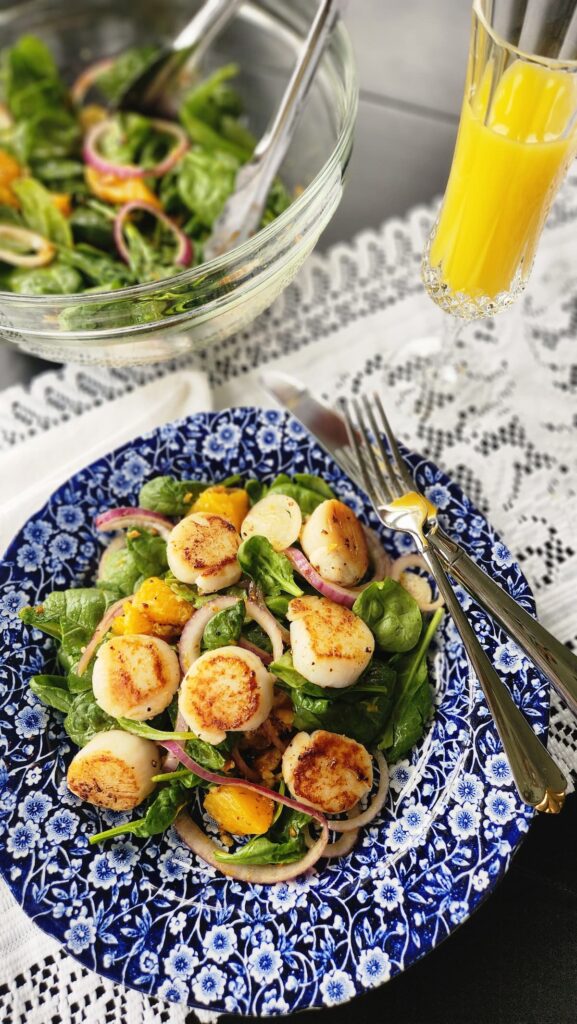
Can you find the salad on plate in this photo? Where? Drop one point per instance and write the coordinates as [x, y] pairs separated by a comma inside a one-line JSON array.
[[93, 200], [244, 667]]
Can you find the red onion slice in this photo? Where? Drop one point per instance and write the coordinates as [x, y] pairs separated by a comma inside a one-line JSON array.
[[341, 847], [191, 638], [100, 632], [332, 591], [128, 517], [42, 250], [380, 560], [87, 79], [262, 874], [184, 249], [204, 847], [95, 159], [375, 805]]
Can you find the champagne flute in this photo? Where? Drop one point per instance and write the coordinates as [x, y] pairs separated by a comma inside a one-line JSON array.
[[517, 138]]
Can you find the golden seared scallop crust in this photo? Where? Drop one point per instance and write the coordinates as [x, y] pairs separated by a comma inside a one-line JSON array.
[[331, 646], [114, 770], [135, 676], [202, 549], [226, 690], [335, 544], [328, 771]]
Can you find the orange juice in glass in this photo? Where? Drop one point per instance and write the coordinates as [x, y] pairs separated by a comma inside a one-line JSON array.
[[517, 137]]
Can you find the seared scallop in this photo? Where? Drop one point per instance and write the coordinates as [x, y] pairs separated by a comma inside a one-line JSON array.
[[114, 770], [135, 676], [276, 517], [226, 690], [334, 542], [328, 771], [202, 549], [331, 646]]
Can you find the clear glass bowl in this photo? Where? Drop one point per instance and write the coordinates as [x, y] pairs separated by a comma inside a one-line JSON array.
[[153, 322]]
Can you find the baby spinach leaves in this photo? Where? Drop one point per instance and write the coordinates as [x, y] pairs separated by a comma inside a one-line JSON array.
[[224, 627], [170, 497], [270, 569], [391, 614]]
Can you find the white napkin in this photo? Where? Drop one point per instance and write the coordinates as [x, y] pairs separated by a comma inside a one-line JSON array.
[[33, 469]]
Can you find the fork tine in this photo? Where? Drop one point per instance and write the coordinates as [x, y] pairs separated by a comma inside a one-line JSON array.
[[355, 444], [377, 473], [393, 481], [400, 464]]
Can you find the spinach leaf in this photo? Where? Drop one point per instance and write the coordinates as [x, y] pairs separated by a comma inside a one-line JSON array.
[[224, 628], [125, 69], [149, 732], [70, 616], [39, 212], [52, 691], [391, 614], [170, 497], [98, 267], [85, 718], [314, 483], [413, 700], [91, 226], [183, 590], [144, 555], [283, 844], [278, 201], [359, 711], [60, 175], [253, 632], [212, 99], [270, 570], [205, 181], [57, 279], [278, 605], [255, 490], [212, 758]]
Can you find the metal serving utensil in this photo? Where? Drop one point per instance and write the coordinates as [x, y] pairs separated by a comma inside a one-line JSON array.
[[145, 92], [243, 210], [557, 663], [540, 782]]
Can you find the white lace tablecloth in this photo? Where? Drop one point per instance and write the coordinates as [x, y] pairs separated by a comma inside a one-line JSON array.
[[356, 318]]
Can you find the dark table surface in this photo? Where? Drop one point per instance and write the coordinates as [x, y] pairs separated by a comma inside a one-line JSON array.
[[515, 961]]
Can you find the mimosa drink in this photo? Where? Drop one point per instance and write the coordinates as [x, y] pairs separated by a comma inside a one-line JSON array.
[[516, 139]]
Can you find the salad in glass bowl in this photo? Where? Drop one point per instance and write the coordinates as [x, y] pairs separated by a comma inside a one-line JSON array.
[[103, 215], [245, 665]]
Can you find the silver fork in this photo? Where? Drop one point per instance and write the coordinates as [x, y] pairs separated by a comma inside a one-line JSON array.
[[540, 782]]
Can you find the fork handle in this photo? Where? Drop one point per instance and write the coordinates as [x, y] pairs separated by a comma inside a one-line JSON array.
[[557, 662], [540, 782]]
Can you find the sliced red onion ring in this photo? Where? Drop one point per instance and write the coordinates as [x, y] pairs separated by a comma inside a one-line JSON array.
[[375, 805], [342, 846], [100, 632], [343, 595], [184, 250], [202, 845], [42, 250], [191, 637], [400, 565], [300, 562], [266, 874], [95, 159], [87, 79], [128, 517]]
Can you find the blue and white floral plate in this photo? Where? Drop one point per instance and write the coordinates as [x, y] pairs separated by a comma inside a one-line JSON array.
[[149, 914]]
